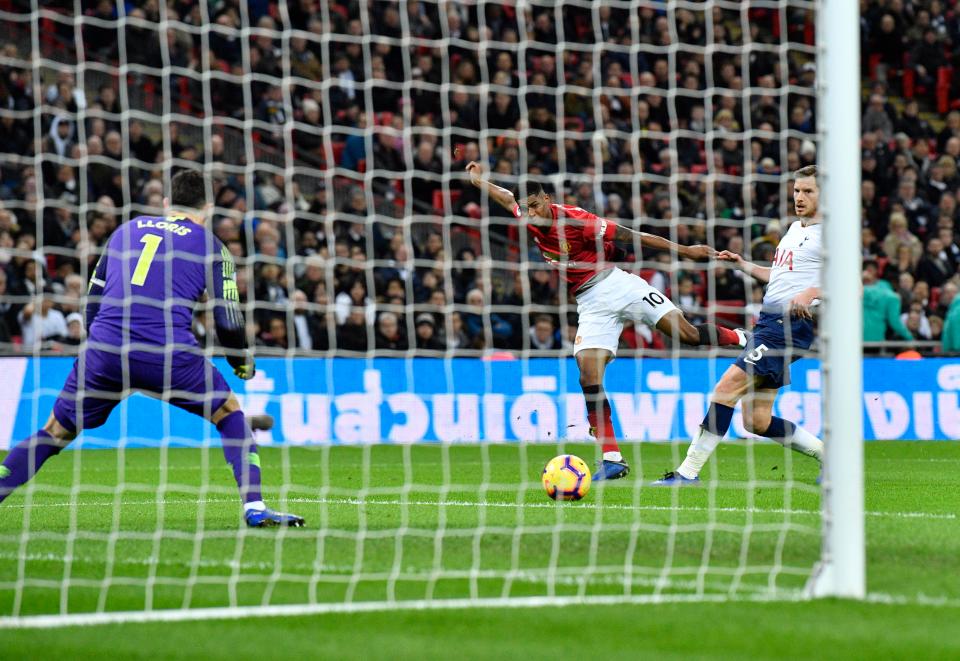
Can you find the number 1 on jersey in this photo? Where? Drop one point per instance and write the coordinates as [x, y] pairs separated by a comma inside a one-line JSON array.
[[151, 243]]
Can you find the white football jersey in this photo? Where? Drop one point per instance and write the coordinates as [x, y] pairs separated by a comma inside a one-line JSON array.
[[796, 264]]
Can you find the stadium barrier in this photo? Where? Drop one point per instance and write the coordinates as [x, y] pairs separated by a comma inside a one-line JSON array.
[[396, 400]]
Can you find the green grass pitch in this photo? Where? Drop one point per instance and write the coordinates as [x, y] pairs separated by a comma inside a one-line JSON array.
[[389, 522]]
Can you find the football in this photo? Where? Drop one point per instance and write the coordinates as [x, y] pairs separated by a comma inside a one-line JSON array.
[[566, 477]]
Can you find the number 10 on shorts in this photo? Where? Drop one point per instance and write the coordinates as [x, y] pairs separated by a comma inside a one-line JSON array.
[[756, 354]]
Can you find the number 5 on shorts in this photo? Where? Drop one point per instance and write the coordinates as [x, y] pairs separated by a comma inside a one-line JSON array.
[[756, 354]]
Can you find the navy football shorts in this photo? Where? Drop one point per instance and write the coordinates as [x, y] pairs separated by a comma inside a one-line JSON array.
[[778, 340], [194, 384]]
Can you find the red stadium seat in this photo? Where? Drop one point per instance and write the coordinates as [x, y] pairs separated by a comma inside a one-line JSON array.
[[724, 309], [337, 148], [184, 91], [909, 82], [944, 80], [872, 63], [438, 200]]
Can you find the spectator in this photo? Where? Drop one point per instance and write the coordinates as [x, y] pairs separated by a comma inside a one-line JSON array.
[[910, 179], [543, 335], [915, 207], [352, 333], [474, 323], [950, 130], [881, 307], [75, 330], [689, 301], [426, 329], [899, 235], [426, 162], [457, 337], [8, 310], [912, 124], [905, 285], [728, 284], [877, 119], [926, 58], [947, 294], [355, 296], [915, 320], [389, 334], [951, 328], [47, 324], [322, 322], [935, 266], [887, 40], [305, 325], [276, 334]]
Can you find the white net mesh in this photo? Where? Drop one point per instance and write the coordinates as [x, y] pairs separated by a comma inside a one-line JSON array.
[[394, 307]]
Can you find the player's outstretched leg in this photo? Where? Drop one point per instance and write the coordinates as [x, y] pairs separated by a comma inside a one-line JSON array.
[[758, 419], [592, 364], [241, 453], [26, 458], [727, 392], [674, 324]]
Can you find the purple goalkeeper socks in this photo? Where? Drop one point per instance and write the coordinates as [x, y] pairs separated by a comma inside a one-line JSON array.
[[241, 453], [25, 460]]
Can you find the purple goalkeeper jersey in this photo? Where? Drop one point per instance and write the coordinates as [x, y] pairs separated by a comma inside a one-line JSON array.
[[147, 284]]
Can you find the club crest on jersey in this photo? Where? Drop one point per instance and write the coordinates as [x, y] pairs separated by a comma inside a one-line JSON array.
[[783, 259], [564, 246]]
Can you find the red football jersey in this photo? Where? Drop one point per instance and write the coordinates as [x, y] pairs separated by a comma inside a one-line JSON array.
[[571, 245]]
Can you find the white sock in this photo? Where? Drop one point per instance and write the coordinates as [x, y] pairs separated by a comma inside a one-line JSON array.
[[257, 505], [804, 442], [612, 456], [699, 451]]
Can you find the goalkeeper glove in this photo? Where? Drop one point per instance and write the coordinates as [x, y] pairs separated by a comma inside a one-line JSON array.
[[243, 365]]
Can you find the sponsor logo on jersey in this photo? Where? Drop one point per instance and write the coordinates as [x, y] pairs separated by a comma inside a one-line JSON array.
[[783, 259]]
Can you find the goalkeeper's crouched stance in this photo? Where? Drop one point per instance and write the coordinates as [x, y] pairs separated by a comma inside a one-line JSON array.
[[139, 310]]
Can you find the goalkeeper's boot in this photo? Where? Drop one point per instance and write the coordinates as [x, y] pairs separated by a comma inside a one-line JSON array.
[[610, 470], [267, 518], [675, 479]]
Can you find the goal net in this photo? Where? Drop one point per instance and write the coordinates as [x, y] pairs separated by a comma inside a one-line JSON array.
[[413, 348]]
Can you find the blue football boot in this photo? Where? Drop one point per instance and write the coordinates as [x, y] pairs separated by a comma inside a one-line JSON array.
[[610, 470], [675, 479], [268, 519], [819, 479]]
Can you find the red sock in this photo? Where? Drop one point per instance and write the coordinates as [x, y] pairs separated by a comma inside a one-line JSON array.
[[604, 432], [726, 336]]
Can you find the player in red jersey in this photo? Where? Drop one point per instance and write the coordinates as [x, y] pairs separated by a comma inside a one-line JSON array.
[[582, 246]]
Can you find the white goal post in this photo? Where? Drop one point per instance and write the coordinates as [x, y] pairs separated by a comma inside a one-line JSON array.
[[842, 570]]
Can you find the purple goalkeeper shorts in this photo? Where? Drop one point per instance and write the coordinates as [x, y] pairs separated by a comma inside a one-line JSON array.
[[189, 382]]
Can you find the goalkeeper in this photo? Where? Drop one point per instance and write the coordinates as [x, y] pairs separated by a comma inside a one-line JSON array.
[[139, 309]]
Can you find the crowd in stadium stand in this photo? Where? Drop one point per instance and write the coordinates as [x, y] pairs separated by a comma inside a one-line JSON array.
[[340, 268]]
